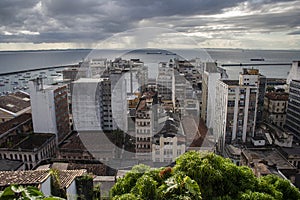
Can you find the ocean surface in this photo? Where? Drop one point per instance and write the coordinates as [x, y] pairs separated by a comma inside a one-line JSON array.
[[42, 61]]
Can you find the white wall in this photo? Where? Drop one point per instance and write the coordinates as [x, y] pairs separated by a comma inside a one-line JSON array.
[[84, 106], [43, 110], [46, 187], [119, 101], [71, 191], [211, 98]]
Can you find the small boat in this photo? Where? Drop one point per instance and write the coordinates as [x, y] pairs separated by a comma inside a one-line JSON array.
[[257, 59]]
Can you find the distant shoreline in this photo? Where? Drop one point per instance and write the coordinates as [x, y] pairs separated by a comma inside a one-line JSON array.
[[83, 49]]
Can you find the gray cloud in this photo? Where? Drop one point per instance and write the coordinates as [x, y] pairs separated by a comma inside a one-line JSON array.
[[93, 20]]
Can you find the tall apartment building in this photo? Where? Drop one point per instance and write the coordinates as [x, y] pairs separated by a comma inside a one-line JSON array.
[[144, 122], [119, 106], [275, 106], [293, 110], [253, 77], [209, 81], [165, 82], [92, 105], [50, 111], [294, 73], [236, 107]]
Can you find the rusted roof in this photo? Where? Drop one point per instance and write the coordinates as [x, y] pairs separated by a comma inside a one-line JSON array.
[[279, 96], [15, 102], [6, 126]]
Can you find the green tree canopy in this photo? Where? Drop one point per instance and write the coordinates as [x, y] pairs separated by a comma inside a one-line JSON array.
[[201, 176]]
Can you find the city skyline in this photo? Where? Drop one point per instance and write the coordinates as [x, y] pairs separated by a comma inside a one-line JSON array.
[[252, 24]]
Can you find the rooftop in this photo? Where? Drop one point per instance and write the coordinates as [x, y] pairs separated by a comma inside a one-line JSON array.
[[35, 140], [6, 126], [15, 102], [23, 177], [34, 177], [67, 176], [73, 142], [279, 96], [28, 141], [269, 156], [231, 82], [250, 71], [10, 165]]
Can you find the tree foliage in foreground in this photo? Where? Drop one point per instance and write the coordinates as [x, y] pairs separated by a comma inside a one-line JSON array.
[[201, 176], [24, 193]]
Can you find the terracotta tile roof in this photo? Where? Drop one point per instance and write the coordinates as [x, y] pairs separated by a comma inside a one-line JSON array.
[[34, 177], [15, 102], [23, 177], [67, 176], [5, 126]]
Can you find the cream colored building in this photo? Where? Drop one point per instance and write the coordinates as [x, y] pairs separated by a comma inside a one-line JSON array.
[[275, 106], [167, 147]]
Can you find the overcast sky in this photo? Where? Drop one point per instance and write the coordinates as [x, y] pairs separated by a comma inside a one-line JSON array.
[[54, 24]]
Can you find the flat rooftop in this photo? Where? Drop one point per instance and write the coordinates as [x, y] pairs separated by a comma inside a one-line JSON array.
[[26, 142], [271, 156], [90, 80], [6, 126], [15, 102], [10, 165], [279, 96], [231, 82]]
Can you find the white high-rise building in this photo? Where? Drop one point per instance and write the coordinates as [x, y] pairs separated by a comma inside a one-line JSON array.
[[50, 111], [210, 77], [235, 112], [165, 82], [91, 105], [119, 101], [294, 73]]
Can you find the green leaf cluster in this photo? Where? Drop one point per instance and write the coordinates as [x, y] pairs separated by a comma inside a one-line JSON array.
[[24, 193], [201, 176]]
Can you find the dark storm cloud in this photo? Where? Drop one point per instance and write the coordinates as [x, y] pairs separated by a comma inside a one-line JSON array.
[[14, 12], [92, 20]]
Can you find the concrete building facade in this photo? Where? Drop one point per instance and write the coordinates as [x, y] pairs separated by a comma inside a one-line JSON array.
[[275, 106], [236, 107], [293, 111], [144, 122], [50, 110]]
